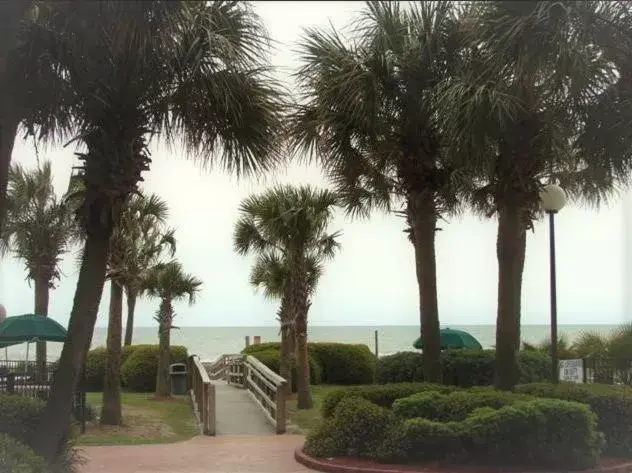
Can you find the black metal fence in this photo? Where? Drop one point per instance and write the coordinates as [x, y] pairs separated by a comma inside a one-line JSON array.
[[605, 370], [26, 378]]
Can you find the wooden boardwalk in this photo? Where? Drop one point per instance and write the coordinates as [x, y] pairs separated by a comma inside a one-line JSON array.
[[237, 414]]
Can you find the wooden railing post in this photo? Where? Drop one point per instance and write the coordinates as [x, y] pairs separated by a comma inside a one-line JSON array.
[[280, 408], [212, 411]]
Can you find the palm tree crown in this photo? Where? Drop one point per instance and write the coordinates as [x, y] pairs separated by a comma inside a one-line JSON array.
[[40, 226]]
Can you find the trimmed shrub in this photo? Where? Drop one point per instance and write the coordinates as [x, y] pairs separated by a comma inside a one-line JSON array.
[[15, 457], [272, 359], [141, 366], [455, 406], [340, 363], [95, 369], [252, 349], [611, 404], [19, 417], [463, 368], [344, 363], [535, 433], [357, 429], [383, 396], [538, 433], [97, 360]]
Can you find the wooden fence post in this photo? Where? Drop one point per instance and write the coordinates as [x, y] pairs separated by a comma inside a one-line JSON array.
[[211, 410], [280, 408]]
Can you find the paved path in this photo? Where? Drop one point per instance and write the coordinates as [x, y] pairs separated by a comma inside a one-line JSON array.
[[237, 414], [225, 454]]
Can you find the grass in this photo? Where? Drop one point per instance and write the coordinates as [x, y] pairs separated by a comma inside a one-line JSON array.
[[305, 420], [145, 421]]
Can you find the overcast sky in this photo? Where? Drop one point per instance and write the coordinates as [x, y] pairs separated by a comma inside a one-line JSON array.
[[372, 281]]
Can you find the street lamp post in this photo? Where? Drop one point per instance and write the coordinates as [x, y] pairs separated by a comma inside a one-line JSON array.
[[553, 199]]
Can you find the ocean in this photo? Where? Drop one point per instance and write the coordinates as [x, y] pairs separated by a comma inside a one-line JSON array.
[[211, 342]]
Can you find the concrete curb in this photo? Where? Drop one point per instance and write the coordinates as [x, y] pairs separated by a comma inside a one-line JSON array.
[[361, 466]]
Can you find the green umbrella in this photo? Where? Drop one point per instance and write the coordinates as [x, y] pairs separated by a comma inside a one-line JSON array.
[[451, 338], [28, 328]]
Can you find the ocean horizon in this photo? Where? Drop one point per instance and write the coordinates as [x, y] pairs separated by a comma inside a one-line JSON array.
[[210, 342]]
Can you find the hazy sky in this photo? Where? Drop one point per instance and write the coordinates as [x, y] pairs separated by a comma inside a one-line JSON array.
[[372, 281]]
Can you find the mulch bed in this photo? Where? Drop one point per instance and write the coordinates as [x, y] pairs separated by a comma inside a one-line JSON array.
[[356, 465]]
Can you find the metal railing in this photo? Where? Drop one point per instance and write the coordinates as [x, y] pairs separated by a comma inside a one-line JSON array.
[[26, 378], [202, 393], [605, 370]]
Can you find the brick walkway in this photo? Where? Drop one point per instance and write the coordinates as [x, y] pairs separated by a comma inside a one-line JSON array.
[[223, 454]]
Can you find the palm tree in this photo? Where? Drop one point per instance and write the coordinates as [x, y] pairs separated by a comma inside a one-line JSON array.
[[271, 272], [368, 112], [169, 283], [28, 83], [525, 110], [141, 221], [195, 72], [289, 224], [39, 229]]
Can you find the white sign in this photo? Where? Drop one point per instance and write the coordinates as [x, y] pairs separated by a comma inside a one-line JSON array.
[[572, 371]]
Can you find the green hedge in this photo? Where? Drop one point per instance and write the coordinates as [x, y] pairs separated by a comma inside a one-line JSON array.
[[536, 433], [141, 366], [16, 457], [611, 404], [97, 360], [455, 406], [463, 368], [384, 395], [272, 359], [340, 363], [19, 417]]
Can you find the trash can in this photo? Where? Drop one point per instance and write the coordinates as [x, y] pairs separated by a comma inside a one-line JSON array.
[[178, 376]]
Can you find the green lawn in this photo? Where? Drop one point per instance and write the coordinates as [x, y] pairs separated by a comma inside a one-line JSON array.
[[306, 420], [145, 420]]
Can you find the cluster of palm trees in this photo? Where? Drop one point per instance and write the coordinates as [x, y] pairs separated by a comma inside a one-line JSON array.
[[438, 107], [40, 228], [286, 228]]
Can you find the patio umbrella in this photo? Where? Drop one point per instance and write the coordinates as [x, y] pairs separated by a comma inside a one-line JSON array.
[[451, 338], [30, 328]]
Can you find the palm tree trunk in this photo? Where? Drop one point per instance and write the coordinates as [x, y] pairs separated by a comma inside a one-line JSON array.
[[300, 308], [164, 332], [111, 411], [54, 421], [423, 217], [285, 367], [42, 294], [9, 122], [131, 307], [510, 250]]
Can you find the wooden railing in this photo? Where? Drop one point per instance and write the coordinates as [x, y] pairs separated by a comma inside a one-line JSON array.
[[267, 389], [202, 395], [219, 369]]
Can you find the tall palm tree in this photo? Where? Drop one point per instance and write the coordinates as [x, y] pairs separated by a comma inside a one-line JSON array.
[[12, 16], [28, 83], [291, 223], [523, 111], [169, 283], [197, 73], [368, 112], [141, 221], [39, 229], [271, 272]]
